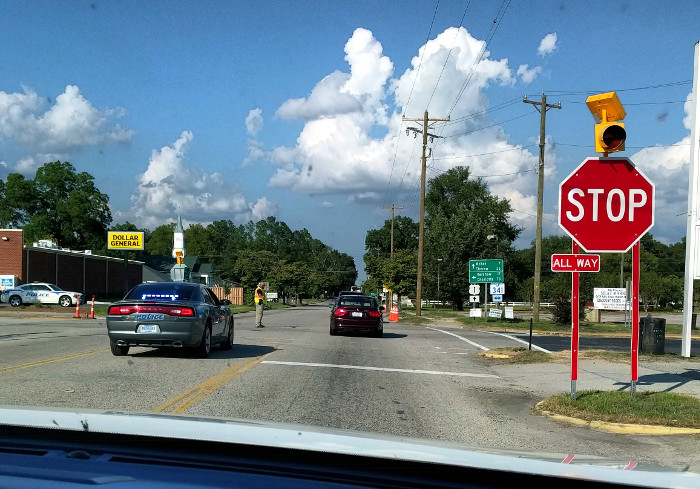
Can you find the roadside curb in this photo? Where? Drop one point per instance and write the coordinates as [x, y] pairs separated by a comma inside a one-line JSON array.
[[618, 428]]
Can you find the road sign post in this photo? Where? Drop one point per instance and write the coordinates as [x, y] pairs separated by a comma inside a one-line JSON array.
[[606, 205]]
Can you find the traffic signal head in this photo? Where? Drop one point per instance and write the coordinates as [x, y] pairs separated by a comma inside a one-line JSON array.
[[610, 137], [607, 111]]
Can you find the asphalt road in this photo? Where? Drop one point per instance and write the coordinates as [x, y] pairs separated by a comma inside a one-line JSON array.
[[417, 381]]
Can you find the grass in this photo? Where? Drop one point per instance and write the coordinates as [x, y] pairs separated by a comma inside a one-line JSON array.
[[523, 355], [651, 408], [547, 326]]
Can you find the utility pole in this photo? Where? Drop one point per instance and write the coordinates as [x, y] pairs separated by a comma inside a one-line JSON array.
[[419, 284], [542, 107], [392, 226], [391, 293]]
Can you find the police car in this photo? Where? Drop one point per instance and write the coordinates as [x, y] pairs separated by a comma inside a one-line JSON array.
[[39, 292]]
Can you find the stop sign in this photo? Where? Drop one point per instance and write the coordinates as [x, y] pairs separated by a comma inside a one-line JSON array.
[[606, 204]]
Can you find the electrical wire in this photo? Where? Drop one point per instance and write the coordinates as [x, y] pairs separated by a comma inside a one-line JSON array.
[[496, 23]]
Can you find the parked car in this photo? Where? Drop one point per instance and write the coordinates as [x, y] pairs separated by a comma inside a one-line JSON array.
[[39, 293], [357, 313], [170, 314]]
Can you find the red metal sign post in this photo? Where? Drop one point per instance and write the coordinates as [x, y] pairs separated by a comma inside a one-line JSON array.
[[574, 325], [606, 205]]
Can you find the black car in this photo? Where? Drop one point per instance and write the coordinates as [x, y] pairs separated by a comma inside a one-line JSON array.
[[170, 314], [357, 313]]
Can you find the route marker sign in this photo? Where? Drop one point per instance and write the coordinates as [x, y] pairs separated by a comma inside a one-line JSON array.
[[485, 271]]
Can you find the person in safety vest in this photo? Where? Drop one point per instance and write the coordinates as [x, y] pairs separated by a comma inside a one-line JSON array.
[[260, 299]]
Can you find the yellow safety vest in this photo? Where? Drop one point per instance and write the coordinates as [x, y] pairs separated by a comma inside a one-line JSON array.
[[259, 295]]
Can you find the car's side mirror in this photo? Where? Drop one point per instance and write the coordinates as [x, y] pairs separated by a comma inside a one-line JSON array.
[[225, 302]]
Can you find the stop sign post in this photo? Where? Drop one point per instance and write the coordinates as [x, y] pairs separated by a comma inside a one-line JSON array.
[[606, 205]]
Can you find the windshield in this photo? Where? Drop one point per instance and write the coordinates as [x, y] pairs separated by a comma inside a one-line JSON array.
[[459, 172], [161, 292]]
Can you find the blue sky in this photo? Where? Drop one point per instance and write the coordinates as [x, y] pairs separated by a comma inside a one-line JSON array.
[[245, 110]]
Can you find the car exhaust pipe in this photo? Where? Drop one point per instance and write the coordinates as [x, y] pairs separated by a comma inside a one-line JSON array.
[[121, 343], [177, 344]]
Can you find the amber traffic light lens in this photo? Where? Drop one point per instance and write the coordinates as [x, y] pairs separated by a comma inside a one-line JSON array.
[[614, 136]]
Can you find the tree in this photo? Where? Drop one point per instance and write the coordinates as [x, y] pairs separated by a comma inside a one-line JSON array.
[[59, 204], [378, 241], [160, 241], [255, 266], [460, 214], [197, 240], [400, 273], [293, 277]]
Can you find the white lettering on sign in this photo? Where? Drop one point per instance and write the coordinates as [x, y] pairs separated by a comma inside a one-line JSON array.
[[616, 203], [575, 263], [580, 262]]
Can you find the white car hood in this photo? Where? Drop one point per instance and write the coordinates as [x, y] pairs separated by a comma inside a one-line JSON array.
[[343, 442]]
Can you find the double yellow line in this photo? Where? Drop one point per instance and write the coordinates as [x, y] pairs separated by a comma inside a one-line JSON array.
[[49, 360], [179, 404]]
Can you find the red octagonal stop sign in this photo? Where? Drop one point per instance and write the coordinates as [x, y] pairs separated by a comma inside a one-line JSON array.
[[606, 204]]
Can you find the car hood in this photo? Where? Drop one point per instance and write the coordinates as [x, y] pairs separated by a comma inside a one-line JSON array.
[[279, 435]]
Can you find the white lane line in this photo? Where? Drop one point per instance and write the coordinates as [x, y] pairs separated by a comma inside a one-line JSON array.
[[381, 369], [539, 348], [461, 338]]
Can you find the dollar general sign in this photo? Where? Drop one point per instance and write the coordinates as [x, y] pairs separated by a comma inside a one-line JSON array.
[[124, 240]]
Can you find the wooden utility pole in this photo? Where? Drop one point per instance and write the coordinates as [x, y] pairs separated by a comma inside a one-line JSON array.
[[392, 207], [391, 293], [542, 107], [419, 283]]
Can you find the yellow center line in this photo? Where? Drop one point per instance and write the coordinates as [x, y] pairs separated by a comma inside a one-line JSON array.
[[38, 363], [186, 399]]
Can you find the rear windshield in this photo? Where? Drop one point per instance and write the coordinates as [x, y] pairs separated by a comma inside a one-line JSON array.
[[165, 291], [357, 301]]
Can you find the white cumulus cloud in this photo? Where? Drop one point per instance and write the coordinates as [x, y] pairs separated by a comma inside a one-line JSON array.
[[548, 44], [168, 186], [72, 122], [527, 74]]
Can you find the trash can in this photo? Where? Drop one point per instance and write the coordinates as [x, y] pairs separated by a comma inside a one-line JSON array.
[[652, 335]]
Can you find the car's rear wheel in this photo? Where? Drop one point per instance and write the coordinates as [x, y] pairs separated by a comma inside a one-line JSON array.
[[202, 351], [227, 344], [15, 301], [334, 332], [118, 351], [64, 301]]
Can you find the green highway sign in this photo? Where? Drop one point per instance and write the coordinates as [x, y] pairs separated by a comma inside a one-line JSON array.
[[485, 271]]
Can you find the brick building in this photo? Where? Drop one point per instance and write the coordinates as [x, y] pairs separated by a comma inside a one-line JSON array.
[[79, 271]]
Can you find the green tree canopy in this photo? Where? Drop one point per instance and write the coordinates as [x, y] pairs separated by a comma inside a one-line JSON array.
[[460, 214], [58, 204]]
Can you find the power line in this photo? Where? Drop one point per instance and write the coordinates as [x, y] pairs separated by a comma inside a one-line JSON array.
[[496, 23]]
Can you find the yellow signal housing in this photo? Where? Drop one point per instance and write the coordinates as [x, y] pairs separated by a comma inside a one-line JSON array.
[[607, 111]]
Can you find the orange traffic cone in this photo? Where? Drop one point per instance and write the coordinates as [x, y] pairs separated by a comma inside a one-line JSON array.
[[77, 307], [92, 308], [394, 314]]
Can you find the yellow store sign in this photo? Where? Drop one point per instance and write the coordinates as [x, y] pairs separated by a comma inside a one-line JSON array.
[[125, 240]]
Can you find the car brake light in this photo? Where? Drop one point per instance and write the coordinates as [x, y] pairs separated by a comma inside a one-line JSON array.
[[169, 310], [339, 312], [183, 311], [374, 314]]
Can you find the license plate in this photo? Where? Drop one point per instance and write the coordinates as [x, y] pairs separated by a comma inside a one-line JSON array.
[[357, 314], [148, 328]]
